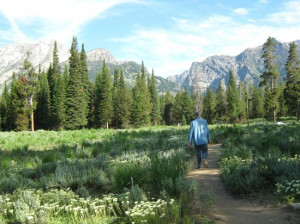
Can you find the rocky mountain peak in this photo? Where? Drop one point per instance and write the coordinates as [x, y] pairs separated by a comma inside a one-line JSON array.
[[101, 54]]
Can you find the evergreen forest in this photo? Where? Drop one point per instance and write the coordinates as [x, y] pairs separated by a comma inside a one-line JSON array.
[[68, 100]]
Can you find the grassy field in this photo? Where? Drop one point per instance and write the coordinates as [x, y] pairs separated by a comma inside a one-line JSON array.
[[94, 176], [136, 176]]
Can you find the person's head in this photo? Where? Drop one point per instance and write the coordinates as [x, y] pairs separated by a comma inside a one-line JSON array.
[[196, 114]]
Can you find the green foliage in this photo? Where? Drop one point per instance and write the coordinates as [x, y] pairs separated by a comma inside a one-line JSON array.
[[292, 90], [257, 157], [76, 116], [209, 106], [232, 99], [269, 79], [208, 200]]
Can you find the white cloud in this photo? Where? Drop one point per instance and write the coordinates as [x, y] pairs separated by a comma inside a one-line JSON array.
[[52, 19], [189, 40], [241, 11], [289, 14]]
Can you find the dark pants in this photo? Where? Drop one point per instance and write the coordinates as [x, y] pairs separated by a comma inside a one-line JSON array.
[[201, 149]]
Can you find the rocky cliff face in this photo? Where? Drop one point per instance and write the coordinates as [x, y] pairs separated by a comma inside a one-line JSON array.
[[12, 57], [247, 66]]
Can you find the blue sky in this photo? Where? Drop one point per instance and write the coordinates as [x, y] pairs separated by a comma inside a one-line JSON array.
[[168, 35]]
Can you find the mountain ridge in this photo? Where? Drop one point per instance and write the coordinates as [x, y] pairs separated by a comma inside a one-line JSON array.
[[247, 66], [12, 57]]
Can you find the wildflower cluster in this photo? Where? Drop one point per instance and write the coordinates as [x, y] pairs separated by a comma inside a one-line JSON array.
[[65, 203], [147, 211]]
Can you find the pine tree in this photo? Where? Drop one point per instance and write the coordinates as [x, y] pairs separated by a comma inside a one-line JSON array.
[[283, 109], [183, 106], [242, 101], [105, 98], [221, 103], [292, 90], [12, 105], [59, 104], [136, 108], [258, 103], [168, 112], [124, 102], [19, 109], [155, 111], [29, 79], [42, 112], [269, 79], [232, 99], [115, 99], [75, 96], [177, 108], [4, 107], [84, 79], [209, 106], [97, 96], [141, 105], [54, 70], [187, 106]]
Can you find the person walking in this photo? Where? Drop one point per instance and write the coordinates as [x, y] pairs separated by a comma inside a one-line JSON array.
[[199, 134]]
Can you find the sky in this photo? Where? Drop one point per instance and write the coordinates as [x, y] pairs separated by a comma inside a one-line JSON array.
[[168, 35]]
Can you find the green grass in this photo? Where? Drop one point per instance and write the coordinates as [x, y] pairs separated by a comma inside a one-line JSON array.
[[93, 163]]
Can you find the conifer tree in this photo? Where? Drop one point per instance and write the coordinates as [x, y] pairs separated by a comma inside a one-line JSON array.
[[183, 106], [59, 104], [232, 99], [155, 111], [19, 110], [168, 112], [177, 108], [283, 109], [97, 96], [105, 109], [12, 105], [4, 107], [141, 105], [42, 112], [209, 106], [84, 78], [269, 79], [75, 97], [187, 106], [29, 80], [292, 90], [221, 103], [242, 111], [258, 103], [124, 102], [137, 107], [54, 70], [115, 99]]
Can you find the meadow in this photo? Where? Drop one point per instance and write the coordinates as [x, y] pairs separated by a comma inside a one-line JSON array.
[[94, 176], [137, 176]]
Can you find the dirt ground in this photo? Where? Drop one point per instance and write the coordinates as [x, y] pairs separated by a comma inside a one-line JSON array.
[[231, 210]]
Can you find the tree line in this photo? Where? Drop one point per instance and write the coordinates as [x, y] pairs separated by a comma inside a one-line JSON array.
[[269, 100], [52, 100]]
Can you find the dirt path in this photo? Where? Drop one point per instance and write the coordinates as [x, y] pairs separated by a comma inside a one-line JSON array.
[[228, 209]]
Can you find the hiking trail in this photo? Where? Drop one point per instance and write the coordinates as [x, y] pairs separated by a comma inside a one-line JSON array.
[[229, 209]]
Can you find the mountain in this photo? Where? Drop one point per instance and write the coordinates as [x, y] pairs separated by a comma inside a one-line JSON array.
[[247, 66], [13, 56]]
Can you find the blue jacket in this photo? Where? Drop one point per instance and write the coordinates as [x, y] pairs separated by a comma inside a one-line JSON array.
[[199, 132]]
